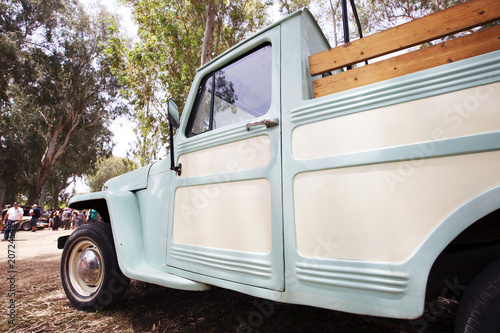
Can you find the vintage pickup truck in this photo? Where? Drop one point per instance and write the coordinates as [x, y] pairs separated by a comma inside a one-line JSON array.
[[296, 179]]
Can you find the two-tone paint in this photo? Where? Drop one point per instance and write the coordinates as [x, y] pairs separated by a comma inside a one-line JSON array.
[[345, 204]]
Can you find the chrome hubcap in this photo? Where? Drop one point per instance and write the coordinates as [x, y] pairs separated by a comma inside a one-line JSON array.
[[89, 267], [85, 268]]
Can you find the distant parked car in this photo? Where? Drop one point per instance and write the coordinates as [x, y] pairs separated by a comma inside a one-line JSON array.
[[25, 223]]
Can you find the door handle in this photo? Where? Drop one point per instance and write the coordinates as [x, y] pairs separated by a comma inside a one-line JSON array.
[[268, 122]]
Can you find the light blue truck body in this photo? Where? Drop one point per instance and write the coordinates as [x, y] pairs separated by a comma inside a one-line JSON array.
[[345, 204]]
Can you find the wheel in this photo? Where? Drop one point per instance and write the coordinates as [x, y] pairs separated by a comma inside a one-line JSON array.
[[91, 277], [480, 305], [26, 226]]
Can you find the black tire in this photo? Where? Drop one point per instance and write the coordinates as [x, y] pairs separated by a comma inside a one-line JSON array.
[[479, 308], [90, 275], [26, 226]]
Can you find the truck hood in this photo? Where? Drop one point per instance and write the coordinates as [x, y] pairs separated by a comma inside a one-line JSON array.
[[131, 181]]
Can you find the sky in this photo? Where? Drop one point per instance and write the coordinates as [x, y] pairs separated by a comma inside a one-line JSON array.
[[124, 136]]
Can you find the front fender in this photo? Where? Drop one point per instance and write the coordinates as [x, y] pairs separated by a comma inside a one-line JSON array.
[[121, 209]]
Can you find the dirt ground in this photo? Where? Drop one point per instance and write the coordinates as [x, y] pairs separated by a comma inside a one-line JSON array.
[[32, 300]]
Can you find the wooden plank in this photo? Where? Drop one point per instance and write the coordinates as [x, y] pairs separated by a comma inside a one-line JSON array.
[[457, 49], [440, 24]]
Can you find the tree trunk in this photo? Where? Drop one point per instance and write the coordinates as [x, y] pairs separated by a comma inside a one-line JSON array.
[[52, 153], [334, 24], [48, 160], [209, 34], [2, 194], [36, 187], [41, 201]]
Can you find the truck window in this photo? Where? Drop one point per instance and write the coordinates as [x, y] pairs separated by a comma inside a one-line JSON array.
[[242, 92]]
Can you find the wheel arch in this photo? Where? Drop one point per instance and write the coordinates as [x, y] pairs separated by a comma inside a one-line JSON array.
[[121, 210], [448, 236], [100, 205]]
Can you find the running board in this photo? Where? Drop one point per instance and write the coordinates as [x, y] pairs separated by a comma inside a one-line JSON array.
[[150, 275]]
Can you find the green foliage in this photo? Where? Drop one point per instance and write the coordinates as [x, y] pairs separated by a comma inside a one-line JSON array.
[[163, 62], [20, 19], [107, 168], [61, 96]]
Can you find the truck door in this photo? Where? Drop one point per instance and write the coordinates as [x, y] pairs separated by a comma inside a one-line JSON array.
[[226, 215]]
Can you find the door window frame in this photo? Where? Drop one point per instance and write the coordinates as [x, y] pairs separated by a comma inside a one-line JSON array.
[[211, 77]]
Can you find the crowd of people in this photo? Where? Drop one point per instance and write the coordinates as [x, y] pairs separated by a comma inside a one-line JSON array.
[[70, 219], [66, 218]]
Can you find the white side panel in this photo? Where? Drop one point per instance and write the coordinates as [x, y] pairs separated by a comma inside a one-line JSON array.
[[384, 212], [236, 156], [460, 113], [211, 216]]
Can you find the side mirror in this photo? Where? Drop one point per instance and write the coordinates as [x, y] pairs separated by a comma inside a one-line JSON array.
[[173, 121], [173, 113]]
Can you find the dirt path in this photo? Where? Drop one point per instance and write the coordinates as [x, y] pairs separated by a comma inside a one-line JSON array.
[[40, 305], [42, 243]]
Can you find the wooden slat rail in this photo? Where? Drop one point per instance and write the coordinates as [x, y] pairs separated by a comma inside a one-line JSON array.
[[444, 23], [457, 49]]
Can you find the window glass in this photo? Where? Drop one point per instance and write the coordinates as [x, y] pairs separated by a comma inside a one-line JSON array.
[[242, 92], [202, 120]]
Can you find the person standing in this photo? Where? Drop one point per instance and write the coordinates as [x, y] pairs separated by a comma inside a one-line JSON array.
[[66, 218], [35, 216], [92, 216], [74, 218], [57, 219], [52, 220], [13, 216], [80, 219]]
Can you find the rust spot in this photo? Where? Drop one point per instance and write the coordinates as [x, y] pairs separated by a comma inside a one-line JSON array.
[[362, 53], [395, 68], [355, 79], [449, 60], [346, 45], [481, 12]]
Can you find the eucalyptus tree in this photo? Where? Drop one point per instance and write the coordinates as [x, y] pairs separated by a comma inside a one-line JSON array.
[[62, 96], [19, 20]]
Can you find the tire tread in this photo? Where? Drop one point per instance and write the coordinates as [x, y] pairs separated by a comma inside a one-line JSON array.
[[481, 293]]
